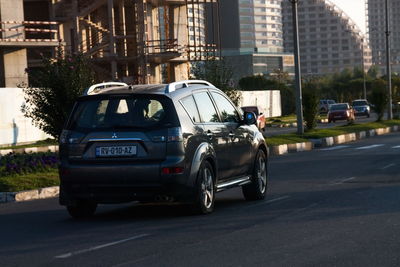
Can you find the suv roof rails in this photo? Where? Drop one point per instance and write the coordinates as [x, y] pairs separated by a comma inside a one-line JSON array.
[[96, 88], [183, 84]]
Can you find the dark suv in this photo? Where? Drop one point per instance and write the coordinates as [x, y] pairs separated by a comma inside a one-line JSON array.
[[179, 142]]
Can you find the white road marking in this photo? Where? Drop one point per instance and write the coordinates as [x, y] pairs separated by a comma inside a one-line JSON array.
[[271, 201], [343, 181], [368, 147], [333, 148], [74, 253], [388, 166], [395, 147]]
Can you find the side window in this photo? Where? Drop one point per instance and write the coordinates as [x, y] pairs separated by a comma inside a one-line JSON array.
[[190, 106], [206, 107], [227, 110]]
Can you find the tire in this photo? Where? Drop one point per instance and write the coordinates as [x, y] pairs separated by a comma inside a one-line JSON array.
[[205, 189], [83, 209], [257, 189]]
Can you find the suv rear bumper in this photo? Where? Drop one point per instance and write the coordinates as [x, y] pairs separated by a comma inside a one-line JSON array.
[[116, 183]]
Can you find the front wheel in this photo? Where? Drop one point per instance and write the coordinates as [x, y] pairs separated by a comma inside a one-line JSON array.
[[257, 189], [205, 189]]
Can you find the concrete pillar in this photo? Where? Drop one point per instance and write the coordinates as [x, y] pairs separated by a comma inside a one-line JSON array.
[[13, 60]]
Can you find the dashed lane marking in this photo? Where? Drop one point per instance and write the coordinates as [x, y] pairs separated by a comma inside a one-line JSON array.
[[78, 252], [271, 201], [396, 147], [369, 147], [343, 181], [388, 166], [333, 148]]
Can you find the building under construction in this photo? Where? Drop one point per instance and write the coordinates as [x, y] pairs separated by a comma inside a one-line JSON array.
[[137, 41]]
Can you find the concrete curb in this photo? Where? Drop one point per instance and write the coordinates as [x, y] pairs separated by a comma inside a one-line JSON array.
[[41, 193], [330, 141], [4, 152]]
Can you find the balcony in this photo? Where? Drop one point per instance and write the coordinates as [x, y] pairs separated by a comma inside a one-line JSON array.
[[29, 33]]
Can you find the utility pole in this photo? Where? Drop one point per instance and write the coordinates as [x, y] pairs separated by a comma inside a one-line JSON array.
[[388, 66], [299, 105]]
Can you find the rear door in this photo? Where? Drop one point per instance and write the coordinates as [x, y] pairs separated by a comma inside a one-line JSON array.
[[215, 132]]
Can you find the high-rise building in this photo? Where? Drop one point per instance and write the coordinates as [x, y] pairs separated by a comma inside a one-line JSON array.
[[376, 25], [329, 40], [252, 38]]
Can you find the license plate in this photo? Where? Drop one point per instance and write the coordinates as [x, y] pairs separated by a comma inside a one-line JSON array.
[[116, 151], [336, 117]]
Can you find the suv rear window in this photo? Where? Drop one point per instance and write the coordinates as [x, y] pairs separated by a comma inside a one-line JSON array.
[[120, 113]]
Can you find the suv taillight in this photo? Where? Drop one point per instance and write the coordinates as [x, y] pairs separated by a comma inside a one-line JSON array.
[[175, 134]]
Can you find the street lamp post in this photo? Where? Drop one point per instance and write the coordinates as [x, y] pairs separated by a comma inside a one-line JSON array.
[[363, 69], [388, 67], [299, 105]]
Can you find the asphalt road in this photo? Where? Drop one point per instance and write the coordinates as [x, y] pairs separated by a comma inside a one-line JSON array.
[[337, 206], [270, 131]]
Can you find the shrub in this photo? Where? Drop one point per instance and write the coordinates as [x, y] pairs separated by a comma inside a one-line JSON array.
[[379, 98], [310, 105]]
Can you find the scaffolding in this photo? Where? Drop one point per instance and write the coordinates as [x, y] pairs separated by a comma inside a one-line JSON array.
[[140, 41]]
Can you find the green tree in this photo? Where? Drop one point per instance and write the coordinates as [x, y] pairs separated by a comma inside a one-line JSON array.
[[219, 74], [54, 90], [378, 97]]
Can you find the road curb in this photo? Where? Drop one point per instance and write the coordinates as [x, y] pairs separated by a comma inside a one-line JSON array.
[[41, 193], [330, 141], [53, 148]]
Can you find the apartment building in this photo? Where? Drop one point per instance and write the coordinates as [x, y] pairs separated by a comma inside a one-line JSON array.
[[376, 25], [329, 40], [252, 37]]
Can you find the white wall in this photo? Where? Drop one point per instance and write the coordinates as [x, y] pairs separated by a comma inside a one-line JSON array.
[[269, 101], [14, 127]]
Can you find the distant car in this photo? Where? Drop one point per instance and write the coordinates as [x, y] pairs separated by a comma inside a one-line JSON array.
[[324, 105], [341, 111], [260, 116], [361, 107]]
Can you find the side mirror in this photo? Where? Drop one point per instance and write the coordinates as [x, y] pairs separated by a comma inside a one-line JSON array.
[[250, 118]]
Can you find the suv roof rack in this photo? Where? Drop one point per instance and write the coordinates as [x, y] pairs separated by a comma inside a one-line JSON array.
[[96, 88], [183, 84]]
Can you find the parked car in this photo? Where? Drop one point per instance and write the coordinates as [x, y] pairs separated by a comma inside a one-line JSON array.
[[324, 105], [361, 107], [341, 111], [180, 142], [260, 116]]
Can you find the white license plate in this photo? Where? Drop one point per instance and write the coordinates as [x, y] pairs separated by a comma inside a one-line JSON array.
[[116, 151]]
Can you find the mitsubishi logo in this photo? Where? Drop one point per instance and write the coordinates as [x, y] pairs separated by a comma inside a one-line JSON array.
[[114, 136]]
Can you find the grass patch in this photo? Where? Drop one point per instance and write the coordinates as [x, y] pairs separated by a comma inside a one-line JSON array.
[[322, 133], [47, 142], [15, 183]]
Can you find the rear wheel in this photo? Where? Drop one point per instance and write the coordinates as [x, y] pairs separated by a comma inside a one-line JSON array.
[[257, 189], [205, 189], [83, 209]]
